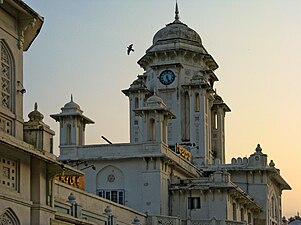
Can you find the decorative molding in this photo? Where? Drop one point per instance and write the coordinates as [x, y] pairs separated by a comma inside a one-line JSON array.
[[23, 25]]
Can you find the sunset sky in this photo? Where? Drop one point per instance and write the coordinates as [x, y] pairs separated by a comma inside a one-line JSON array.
[[81, 50]]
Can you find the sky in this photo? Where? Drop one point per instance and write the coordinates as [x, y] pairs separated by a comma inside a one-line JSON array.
[[81, 50]]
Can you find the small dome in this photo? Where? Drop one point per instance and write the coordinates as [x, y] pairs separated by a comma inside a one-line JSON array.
[[35, 115], [71, 105], [154, 99]]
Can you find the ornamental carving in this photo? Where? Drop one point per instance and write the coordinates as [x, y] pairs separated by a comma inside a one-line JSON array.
[[5, 77], [9, 218]]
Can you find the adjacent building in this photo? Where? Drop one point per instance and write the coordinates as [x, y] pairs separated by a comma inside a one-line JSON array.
[[30, 193]]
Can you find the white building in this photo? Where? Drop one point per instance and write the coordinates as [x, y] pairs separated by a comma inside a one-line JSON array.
[[174, 167]]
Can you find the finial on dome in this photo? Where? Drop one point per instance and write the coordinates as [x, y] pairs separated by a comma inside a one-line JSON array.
[[177, 12], [35, 106], [258, 148], [71, 98]]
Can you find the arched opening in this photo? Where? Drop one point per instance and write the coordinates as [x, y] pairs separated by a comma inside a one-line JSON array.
[[234, 211], [136, 103], [186, 118], [7, 77], [197, 104], [152, 129], [68, 134], [110, 184], [9, 217]]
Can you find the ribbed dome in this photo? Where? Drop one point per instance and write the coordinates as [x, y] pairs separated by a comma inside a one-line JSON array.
[[71, 105], [154, 99], [177, 30], [35, 115]]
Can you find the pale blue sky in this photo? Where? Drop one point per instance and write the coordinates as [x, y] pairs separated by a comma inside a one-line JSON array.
[[82, 50]]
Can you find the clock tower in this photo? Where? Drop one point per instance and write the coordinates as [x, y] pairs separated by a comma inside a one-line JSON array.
[[179, 70]]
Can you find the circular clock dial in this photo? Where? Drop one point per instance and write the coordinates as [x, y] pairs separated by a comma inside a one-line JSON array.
[[167, 77]]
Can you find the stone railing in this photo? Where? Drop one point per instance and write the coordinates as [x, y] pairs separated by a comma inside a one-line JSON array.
[[231, 222], [212, 221], [162, 220]]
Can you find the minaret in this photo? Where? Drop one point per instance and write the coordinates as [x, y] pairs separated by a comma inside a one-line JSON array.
[[72, 125], [37, 133], [218, 112], [137, 94]]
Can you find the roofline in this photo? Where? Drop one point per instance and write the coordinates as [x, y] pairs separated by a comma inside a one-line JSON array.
[[42, 155]]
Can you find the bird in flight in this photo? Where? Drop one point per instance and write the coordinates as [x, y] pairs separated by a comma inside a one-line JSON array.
[[130, 48]]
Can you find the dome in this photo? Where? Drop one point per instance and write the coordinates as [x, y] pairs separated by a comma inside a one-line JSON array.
[[154, 99], [71, 106], [35, 115], [177, 30]]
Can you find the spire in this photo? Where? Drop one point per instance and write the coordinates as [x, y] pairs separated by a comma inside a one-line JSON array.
[[71, 98], [177, 12]]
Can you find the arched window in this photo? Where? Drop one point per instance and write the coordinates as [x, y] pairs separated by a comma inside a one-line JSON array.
[[273, 207], [186, 118], [6, 76], [9, 217], [152, 130], [242, 214], [68, 134], [215, 121], [234, 212], [136, 106], [197, 106], [110, 184]]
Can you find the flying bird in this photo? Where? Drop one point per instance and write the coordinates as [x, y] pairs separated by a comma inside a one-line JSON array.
[[130, 48]]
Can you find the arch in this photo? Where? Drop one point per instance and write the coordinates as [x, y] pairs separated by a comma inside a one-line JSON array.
[[7, 76], [68, 133], [152, 129], [186, 118], [110, 184], [136, 103], [8, 216], [197, 103], [110, 177], [234, 211]]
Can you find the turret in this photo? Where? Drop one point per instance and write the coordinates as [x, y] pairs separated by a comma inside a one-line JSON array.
[[72, 124], [155, 116], [37, 133]]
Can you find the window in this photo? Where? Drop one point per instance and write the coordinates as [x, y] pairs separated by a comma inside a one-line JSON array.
[[249, 218], [197, 102], [215, 121], [234, 211], [242, 214], [152, 130], [8, 173], [194, 203], [5, 76], [186, 118], [136, 103], [68, 134], [113, 195]]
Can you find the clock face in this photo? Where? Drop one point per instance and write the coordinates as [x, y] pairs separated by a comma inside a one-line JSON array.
[[167, 77]]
